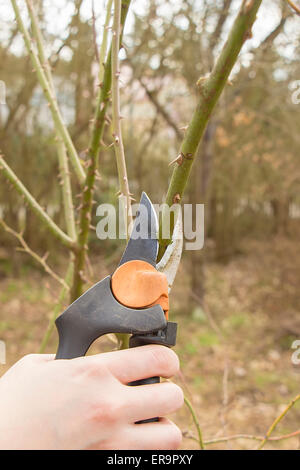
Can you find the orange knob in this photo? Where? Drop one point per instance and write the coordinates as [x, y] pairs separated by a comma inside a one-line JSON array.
[[137, 284]]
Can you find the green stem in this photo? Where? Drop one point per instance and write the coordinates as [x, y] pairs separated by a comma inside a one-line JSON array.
[[251, 437], [61, 149], [56, 115], [116, 117], [92, 156], [66, 189], [195, 419], [27, 249], [277, 420], [39, 42], [103, 48], [209, 90], [34, 205]]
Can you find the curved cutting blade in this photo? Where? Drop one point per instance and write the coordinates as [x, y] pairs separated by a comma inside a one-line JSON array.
[[143, 243]]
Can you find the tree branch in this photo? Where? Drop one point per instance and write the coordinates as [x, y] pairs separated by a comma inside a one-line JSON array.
[[277, 420], [116, 117], [195, 419], [58, 307], [161, 110], [103, 48], [61, 149], [66, 189], [210, 89], [221, 20], [34, 255], [250, 437], [92, 156], [34, 205], [294, 6], [57, 118]]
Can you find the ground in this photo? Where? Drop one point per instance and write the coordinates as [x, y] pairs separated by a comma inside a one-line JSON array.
[[236, 366]]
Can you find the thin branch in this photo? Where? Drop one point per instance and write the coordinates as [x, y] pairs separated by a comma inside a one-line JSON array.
[[39, 42], [61, 149], [92, 157], [195, 419], [94, 32], [34, 205], [219, 27], [209, 315], [294, 6], [58, 307], [251, 437], [210, 89], [277, 420], [66, 189], [56, 115], [116, 118], [39, 259], [103, 48]]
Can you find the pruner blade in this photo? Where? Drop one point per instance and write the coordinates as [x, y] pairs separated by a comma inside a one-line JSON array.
[[143, 243], [170, 261]]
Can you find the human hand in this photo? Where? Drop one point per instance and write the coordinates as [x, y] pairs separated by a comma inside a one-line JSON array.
[[85, 403]]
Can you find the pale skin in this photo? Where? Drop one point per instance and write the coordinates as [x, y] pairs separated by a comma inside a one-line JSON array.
[[85, 403]]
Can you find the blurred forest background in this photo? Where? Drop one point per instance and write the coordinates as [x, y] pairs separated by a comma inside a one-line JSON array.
[[237, 300]]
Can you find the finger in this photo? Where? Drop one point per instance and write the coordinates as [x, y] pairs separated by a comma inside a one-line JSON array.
[[163, 435], [148, 401], [38, 357], [140, 363]]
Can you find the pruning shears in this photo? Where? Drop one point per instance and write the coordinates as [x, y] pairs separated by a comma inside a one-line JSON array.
[[133, 300]]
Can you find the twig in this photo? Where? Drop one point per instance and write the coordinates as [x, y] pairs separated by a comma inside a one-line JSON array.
[[219, 27], [34, 205], [277, 420], [34, 255], [209, 315], [61, 149], [195, 419], [245, 436], [223, 411], [210, 89], [56, 115], [294, 6], [58, 307], [116, 118], [167, 117], [39, 42], [103, 48], [94, 32], [66, 189], [92, 156]]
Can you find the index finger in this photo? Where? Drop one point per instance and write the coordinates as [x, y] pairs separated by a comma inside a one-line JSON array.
[[142, 362]]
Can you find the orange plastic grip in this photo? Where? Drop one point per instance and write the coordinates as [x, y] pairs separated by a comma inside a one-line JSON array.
[[137, 284]]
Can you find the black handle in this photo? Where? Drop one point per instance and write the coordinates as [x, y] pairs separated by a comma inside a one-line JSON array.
[[97, 313], [134, 342], [149, 381]]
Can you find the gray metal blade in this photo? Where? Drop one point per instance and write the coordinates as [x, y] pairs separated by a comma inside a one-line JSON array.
[[143, 243]]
